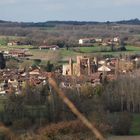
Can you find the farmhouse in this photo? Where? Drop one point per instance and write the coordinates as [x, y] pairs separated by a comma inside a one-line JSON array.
[[52, 47], [98, 40], [13, 43], [116, 39], [17, 53], [86, 41]]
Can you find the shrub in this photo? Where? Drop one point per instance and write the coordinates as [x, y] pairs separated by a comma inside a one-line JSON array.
[[63, 128], [101, 121], [121, 123], [6, 133], [22, 124]]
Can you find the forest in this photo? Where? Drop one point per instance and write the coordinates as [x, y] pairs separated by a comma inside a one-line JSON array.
[[67, 33]]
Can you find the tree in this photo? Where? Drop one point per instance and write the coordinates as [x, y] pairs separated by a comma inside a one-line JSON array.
[[53, 56], [112, 46], [121, 123], [25, 65], [12, 64], [122, 45], [14, 106], [37, 62], [2, 61], [49, 67]]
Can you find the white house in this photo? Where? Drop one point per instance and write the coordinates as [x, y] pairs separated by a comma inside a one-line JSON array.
[[83, 41], [89, 40], [98, 40], [116, 39], [52, 47]]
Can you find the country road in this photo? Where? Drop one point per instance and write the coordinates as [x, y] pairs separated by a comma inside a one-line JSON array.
[[124, 138]]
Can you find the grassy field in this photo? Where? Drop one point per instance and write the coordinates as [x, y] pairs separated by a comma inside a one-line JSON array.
[[3, 48], [88, 50], [135, 129], [102, 49], [63, 54]]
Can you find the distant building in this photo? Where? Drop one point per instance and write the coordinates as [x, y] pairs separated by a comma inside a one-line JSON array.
[[86, 41], [83, 41], [83, 66], [52, 47], [89, 41], [13, 43], [98, 40], [17, 53], [116, 39]]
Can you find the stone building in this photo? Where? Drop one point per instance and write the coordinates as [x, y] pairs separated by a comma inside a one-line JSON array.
[[83, 66]]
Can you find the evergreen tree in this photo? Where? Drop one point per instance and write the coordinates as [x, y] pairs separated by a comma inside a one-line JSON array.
[[2, 61], [49, 67]]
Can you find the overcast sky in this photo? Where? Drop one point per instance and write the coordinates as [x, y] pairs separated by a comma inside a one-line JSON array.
[[82, 10]]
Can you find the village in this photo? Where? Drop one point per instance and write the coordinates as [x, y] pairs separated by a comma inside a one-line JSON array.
[[84, 69], [106, 41], [90, 75]]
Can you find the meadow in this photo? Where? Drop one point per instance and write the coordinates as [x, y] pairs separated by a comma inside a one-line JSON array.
[[64, 54]]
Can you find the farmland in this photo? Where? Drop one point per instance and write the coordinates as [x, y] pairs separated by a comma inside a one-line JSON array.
[[63, 54]]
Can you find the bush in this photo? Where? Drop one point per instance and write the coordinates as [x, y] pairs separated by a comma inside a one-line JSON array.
[[63, 128], [6, 133], [100, 121], [22, 124], [121, 123]]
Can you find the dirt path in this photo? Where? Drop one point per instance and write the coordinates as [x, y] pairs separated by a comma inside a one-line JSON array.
[[124, 138]]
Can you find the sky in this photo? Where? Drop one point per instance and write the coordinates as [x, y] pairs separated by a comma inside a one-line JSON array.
[[79, 10]]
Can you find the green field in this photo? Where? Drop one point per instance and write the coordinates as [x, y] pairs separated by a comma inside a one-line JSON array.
[[135, 128], [102, 49], [3, 48], [63, 54], [98, 50]]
